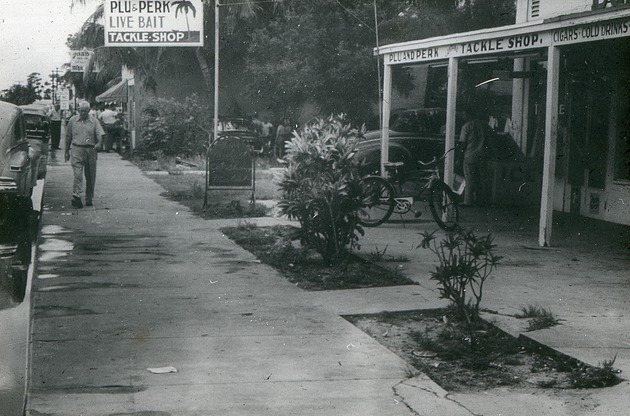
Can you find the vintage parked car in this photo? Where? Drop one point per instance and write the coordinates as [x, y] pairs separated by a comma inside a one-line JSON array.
[[16, 185], [414, 134], [38, 135], [241, 128], [419, 134]]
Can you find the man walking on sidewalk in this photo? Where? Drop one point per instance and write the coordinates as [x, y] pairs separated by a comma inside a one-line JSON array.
[[84, 136]]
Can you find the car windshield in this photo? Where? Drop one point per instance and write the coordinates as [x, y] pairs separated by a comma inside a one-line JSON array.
[[234, 125], [33, 120], [423, 121]]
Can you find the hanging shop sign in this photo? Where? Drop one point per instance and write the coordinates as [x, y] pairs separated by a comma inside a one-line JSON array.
[[79, 59], [153, 23]]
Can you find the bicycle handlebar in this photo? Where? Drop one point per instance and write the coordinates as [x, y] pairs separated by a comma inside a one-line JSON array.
[[435, 160]]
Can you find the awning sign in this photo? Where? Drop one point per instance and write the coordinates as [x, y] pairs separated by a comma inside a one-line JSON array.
[[79, 59], [515, 40], [153, 23]]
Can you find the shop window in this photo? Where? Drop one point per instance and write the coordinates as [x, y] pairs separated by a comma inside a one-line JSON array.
[[622, 145]]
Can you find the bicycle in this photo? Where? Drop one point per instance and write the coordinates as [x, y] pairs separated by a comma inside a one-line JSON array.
[[393, 195]]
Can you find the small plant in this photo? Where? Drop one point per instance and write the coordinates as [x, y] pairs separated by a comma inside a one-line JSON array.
[[595, 377], [378, 255], [322, 189], [540, 318], [466, 262]]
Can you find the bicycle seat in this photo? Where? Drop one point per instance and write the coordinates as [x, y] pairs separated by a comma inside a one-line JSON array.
[[393, 164]]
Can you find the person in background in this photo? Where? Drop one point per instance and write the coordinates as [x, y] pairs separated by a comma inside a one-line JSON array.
[[55, 126], [257, 123], [84, 136], [266, 133], [109, 121], [474, 144], [283, 133]]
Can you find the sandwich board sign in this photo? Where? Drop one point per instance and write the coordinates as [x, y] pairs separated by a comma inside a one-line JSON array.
[[153, 23]]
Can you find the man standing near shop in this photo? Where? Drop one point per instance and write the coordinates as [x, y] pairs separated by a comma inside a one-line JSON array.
[[109, 120], [55, 126], [84, 136], [473, 141]]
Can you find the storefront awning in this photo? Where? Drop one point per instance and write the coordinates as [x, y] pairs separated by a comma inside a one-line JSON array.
[[117, 93]]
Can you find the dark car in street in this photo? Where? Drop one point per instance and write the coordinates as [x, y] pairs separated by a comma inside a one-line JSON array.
[[16, 185], [38, 135]]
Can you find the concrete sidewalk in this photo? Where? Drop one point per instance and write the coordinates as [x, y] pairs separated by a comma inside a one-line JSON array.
[[136, 286]]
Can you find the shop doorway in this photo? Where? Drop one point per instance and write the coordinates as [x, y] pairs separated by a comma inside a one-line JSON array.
[[585, 122]]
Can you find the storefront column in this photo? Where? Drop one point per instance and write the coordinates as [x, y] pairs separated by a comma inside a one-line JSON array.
[[520, 105], [451, 106], [551, 137], [387, 100]]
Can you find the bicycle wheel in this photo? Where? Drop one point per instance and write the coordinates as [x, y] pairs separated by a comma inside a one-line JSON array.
[[444, 207], [381, 205]]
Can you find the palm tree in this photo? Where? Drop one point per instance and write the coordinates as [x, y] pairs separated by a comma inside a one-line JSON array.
[[185, 6]]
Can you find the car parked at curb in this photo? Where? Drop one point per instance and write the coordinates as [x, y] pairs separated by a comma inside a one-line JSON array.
[[16, 184], [38, 135], [414, 134]]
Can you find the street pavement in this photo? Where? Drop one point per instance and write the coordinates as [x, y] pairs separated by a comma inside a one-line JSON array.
[[141, 308]]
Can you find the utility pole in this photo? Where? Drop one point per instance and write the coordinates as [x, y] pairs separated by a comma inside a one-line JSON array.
[[54, 76]]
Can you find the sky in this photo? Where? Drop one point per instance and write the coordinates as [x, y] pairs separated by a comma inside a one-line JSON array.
[[33, 36]]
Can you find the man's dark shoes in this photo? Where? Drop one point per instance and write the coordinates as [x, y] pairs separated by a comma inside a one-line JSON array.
[[88, 203], [76, 202]]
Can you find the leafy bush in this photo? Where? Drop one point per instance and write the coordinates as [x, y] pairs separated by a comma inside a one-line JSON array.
[[322, 189], [172, 127], [466, 261]]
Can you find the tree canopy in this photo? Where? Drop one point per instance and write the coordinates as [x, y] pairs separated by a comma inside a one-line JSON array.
[[323, 52], [297, 52], [33, 90]]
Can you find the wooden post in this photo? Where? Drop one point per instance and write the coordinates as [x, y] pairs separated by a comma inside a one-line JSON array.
[[451, 107], [551, 137], [215, 124], [387, 96]]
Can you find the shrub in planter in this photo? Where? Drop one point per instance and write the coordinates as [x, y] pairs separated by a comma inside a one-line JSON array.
[[322, 188], [466, 262]]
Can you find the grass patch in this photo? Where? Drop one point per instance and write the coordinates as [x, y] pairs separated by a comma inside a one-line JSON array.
[[586, 377], [189, 190], [539, 318], [378, 256], [277, 247]]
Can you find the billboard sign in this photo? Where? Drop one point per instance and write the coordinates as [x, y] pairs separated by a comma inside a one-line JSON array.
[[153, 23]]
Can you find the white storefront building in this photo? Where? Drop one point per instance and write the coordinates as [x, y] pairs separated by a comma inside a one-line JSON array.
[[559, 79]]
